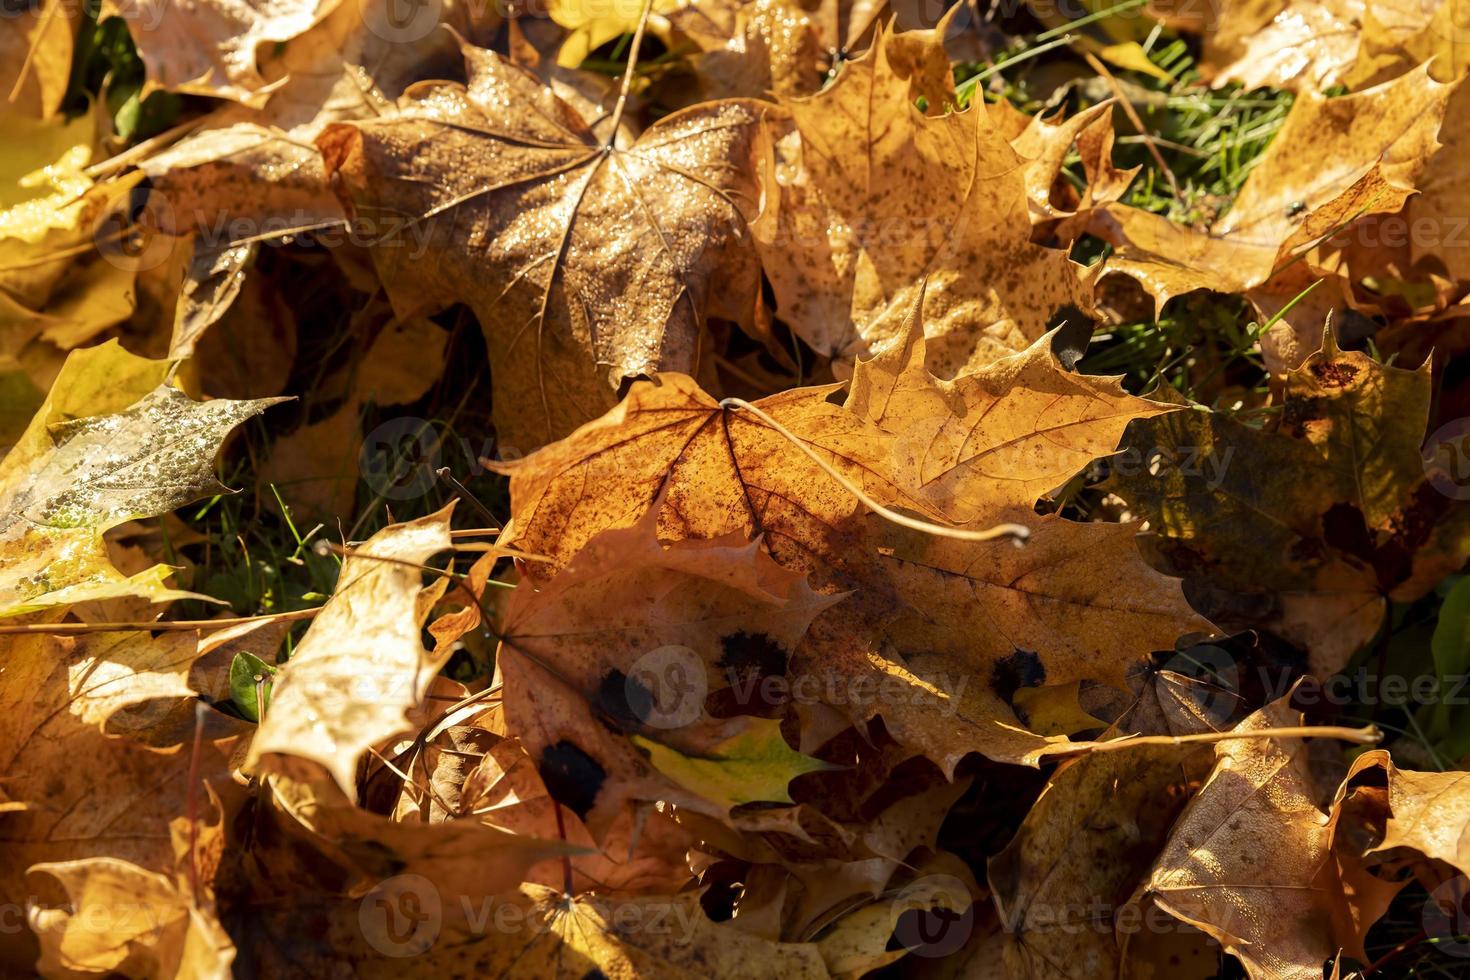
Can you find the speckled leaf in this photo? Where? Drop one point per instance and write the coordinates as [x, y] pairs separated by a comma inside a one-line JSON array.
[[360, 666], [872, 199], [951, 627], [76, 474], [212, 47], [585, 262], [1249, 860], [1003, 435]]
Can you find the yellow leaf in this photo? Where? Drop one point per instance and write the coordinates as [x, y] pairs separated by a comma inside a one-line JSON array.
[[752, 766]]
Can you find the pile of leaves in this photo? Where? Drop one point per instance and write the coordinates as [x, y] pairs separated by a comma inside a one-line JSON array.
[[623, 489]]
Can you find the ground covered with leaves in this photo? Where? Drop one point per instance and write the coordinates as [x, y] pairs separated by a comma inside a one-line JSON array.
[[811, 488]]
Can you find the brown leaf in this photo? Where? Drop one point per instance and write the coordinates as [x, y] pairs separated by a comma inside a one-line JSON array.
[[91, 755], [625, 641], [927, 613], [360, 666], [1333, 162], [211, 48], [89, 462], [1249, 861], [153, 928], [602, 259], [1064, 886], [1306, 529], [988, 444], [848, 254]]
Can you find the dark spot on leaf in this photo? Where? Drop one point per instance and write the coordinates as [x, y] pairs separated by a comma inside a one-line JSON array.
[[1343, 528], [1021, 669], [572, 777], [594, 974], [1335, 374], [746, 655], [627, 699]]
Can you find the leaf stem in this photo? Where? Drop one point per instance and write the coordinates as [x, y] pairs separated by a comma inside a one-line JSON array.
[[617, 117], [1368, 735], [204, 625], [1017, 532]]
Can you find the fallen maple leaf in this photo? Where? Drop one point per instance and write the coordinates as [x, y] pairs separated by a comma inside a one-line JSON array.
[[93, 758], [1088, 843], [1305, 47], [848, 254], [211, 47], [752, 49], [36, 51], [1316, 518], [986, 445], [111, 444], [1428, 812], [585, 261], [927, 611], [162, 932], [335, 700], [1333, 162], [1249, 860], [626, 640]]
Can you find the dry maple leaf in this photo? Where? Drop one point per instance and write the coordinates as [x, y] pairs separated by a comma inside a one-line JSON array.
[[986, 445], [360, 666], [92, 754], [532, 931], [1309, 529], [1065, 885], [586, 262], [163, 933], [246, 173], [1398, 36], [752, 50], [927, 613], [1250, 860], [212, 47], [352, 848], [606, 665], [1428, 812], [490, 778], [1333, 162], [1066, 881], [36, 48], [1290, 44], [62, 279], [848, 252], [112, 443]]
